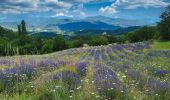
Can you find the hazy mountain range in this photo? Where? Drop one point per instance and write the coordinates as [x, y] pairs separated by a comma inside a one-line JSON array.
[[68, 24]]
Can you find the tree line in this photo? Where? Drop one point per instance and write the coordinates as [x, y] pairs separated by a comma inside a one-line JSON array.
[[13, 43]]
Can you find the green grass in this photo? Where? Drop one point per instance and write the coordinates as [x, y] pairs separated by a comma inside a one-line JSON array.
[[44, 87], [161, 45]]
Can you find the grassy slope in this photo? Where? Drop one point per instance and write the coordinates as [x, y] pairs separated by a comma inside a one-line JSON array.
[[88, 90], [161, 45]]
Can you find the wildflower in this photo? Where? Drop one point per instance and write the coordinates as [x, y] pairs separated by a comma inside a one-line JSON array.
[[97, 96], [92, 81], [146, 90], [53, 90], [113, 83], [71, 90], [79, 88], [57, 86], [123, 76], [92, 93]]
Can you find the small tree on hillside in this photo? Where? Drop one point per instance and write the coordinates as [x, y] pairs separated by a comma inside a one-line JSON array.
[[19, 29], [24, 30], [164, 25], [59, 43]]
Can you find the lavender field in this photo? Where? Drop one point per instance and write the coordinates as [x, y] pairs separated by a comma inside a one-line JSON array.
[[113, 72]]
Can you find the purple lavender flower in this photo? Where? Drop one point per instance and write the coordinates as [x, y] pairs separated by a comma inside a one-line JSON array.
[[49, 64], [6, 62], [82, 68], [139, 78], [106, 82], [161, 73], [109, 51], [124, 67], [97, 57], [10, 77], [104, 57], [72, 80], [155, 85]]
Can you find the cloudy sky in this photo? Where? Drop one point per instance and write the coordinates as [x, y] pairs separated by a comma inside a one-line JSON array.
[[127, 9]]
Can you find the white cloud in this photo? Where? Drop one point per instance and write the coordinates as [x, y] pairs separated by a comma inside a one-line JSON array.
[[24, 6], [132, 4], [61, 14], [82, 13], [108, 9]]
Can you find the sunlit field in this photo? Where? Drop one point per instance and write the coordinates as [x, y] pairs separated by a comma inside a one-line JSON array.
[[136, 71]]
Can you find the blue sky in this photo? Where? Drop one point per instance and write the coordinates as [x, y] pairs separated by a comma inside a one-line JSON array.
[[146, 10]]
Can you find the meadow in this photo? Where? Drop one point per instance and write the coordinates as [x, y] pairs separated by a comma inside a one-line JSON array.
[[132, 71]]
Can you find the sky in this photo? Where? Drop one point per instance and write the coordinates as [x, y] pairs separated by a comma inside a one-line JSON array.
[[149, 10]]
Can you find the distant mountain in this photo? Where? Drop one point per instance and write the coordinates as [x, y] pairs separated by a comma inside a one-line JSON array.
[[44, 34], [96, 25], [67, 24], [84, 25], [116, 21], [108, 32], [7, 34]]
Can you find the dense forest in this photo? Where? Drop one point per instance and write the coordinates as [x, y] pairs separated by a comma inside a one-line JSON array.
[[19, 43]]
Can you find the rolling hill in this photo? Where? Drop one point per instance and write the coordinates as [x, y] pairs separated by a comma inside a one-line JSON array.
[[82, 25], [109, 32]]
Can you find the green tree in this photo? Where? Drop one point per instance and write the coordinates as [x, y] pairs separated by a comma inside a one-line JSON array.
[[2, 47], [96, 41], [19, 29], [47, 46], [77, 43], [112, 39], [24, 39], [143, 34], [164, 24], [38, 43], [59, 43], [23, 26]]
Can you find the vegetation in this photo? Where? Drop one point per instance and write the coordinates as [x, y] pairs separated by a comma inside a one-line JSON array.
[[22, 43], [164, 25], [161, 45], [98, 71], [122, 72]]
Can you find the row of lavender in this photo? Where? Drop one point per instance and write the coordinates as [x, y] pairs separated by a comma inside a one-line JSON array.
[[132, 61], [124, 59], [107, 62], [23, 69]]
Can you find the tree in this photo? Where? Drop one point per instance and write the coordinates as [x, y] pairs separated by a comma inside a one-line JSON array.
[[23, 25], [59, 43], [112, 39], [164, 24], [96, 41], [2, 47], [19, 29], [143, 34], [47, 46], [37, 42], [24, 39]]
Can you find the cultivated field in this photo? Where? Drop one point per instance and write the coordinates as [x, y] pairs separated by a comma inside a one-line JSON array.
[[136, 71]]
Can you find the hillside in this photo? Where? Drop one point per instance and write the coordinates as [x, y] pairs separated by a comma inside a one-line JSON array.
[[7, 34], [109, 32], [125, 71], [74, 26]]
